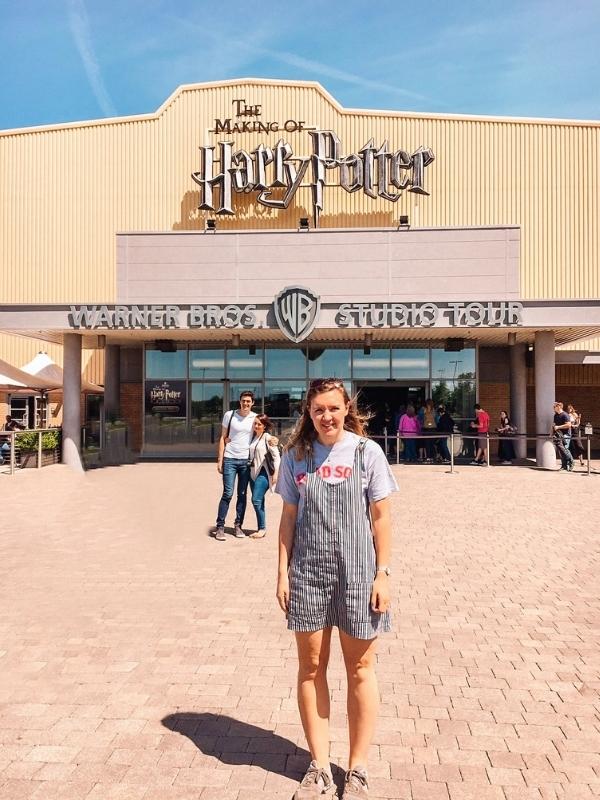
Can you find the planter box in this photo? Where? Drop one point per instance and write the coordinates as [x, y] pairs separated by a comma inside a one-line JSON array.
[[28, 460]]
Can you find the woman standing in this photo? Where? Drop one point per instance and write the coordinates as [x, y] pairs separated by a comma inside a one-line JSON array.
[[409, 428], [334, 555], [506, 449], [428, 420], [264, 461], [576, 445]]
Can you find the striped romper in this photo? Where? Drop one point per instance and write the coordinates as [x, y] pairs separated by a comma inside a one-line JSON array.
[[333, 559]]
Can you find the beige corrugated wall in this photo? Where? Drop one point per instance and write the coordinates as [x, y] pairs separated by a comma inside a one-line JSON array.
[[66, 190]]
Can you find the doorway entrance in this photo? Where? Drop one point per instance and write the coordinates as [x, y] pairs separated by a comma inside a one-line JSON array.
[[385, 403]]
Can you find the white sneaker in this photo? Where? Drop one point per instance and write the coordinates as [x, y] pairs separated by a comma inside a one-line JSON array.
[[315, 784], [356, 784]]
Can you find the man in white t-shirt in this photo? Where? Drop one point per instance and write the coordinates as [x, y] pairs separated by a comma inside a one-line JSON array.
[[232, 463]]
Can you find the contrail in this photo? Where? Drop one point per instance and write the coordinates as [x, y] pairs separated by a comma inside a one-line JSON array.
[[337, 74], [80, 28]]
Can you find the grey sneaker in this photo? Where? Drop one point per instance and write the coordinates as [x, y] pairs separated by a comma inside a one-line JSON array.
[[220, 534], [356, 785], [316, 783], [239, 533]]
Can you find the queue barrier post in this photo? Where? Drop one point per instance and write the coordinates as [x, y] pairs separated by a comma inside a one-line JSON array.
[[397, 447], [487, 449], [589, 453], [452, 452], [39, 450], [13, 436], [385, 441]]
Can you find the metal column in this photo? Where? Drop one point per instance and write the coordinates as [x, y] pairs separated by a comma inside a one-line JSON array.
[[545, 388], [72, 401], [518, 396]]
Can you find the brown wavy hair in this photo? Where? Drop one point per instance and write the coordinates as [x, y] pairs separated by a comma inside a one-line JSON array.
[[265, 420], [304, 434]]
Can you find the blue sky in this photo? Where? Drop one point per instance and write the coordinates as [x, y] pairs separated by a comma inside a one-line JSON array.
[[66, 60]]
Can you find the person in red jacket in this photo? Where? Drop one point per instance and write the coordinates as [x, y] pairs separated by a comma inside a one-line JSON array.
[[482, 426]]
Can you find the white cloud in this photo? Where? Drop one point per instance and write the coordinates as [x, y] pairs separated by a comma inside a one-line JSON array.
[[80, 28]]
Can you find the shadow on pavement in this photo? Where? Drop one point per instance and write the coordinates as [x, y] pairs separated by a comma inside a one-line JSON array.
[[234, 742]]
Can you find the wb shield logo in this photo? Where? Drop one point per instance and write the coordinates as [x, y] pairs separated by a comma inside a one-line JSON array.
[[296, 310]]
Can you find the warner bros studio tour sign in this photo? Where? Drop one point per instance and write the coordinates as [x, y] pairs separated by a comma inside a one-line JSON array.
[[295, 311], [276, 173]]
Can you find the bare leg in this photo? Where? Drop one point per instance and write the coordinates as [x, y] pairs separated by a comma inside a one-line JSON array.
[[313, 692], [363, 695]]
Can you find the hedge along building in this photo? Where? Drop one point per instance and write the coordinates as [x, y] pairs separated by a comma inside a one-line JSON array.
[[436, 256]]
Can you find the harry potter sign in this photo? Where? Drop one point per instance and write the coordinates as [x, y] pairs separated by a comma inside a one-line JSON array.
[[276, 173]]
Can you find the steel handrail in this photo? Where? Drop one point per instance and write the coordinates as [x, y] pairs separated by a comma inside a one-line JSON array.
[[496, 436], [12, 437]]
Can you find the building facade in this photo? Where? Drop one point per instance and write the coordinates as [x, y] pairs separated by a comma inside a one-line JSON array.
[[255, 234]]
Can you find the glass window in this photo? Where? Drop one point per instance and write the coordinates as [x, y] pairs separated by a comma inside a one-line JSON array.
[[457, 396], [166, 365], [19, 410], [207, 364], [328, 362], [241, 364], [450, 366], [235, 389], [408, 363], [375, 366], [284, 398], [285, 363]]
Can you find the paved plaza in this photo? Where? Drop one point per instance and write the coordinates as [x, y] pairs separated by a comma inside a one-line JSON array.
[[142, 660]]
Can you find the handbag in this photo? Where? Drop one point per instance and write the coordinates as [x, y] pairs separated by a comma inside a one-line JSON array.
[[270, 462]]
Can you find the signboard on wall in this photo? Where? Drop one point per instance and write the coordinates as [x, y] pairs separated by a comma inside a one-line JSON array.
[[296, 312], [165, 398]]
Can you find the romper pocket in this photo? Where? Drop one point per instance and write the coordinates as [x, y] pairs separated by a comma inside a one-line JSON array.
[[308, 601], [358, 601]]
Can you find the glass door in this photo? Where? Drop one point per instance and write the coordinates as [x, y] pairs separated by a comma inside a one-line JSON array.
[[206, 415]]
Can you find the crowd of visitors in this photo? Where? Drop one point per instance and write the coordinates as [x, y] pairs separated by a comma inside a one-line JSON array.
[[418, 428]]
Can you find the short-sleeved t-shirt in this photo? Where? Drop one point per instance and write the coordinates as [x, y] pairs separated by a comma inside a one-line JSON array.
[[561, 419], [240, 434], [483, 421], [334, 465]]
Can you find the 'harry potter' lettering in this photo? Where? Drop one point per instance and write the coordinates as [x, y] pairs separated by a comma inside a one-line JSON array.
[[378, 171]]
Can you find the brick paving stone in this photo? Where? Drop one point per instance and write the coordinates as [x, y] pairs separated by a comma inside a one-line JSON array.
[[17, 789], [501, 776], [470, 791], [427, 790], [128, 661]]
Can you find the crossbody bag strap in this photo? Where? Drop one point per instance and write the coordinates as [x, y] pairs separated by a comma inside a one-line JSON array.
[[229, 424]]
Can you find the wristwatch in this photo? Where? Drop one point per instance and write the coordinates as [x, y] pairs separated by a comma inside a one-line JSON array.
[[387, 570]]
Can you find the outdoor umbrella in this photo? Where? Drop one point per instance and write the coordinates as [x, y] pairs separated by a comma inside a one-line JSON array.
[[13, 379], [43, 367]]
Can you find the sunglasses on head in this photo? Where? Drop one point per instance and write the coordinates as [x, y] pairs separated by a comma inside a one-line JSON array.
[[334, 383]]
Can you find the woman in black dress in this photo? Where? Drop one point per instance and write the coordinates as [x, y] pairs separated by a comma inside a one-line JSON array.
[[576, 446], [506, 449]]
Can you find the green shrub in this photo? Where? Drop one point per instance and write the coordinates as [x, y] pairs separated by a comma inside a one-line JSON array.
[[27, 441]]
